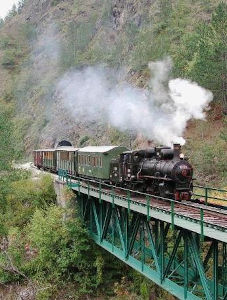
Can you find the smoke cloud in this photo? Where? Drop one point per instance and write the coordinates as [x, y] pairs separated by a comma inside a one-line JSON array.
[[159, 112]]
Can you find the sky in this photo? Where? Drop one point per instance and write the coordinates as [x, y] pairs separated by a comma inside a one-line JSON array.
[[5, 6]]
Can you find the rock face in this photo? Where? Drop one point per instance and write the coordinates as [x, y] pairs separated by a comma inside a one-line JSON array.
[[63, 32]]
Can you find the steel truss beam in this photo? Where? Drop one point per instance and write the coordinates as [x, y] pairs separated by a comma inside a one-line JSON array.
[[174, 258]]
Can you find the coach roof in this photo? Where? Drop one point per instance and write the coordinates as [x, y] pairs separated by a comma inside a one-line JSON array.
[[45, 150], [98, 149], [66, 148]]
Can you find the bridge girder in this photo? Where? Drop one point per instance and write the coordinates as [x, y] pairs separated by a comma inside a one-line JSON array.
[[176, 259]]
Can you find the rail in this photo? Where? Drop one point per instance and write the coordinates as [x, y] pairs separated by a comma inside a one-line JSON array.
[[64, 176]]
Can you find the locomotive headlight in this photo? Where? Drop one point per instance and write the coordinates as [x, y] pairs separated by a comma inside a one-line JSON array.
[[181, 156]]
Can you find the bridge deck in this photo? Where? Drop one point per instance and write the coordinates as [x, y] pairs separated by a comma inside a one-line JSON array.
[[202, 219]]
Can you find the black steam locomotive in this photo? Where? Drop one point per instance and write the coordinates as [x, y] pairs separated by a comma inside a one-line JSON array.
[[159, 171]]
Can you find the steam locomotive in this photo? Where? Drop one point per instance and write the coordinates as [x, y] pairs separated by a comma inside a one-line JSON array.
[[161, 171]]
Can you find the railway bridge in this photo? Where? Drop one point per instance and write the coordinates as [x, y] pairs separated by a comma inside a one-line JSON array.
[[182, 247]]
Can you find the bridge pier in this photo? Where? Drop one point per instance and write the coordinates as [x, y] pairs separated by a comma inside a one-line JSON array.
[[59, 187]]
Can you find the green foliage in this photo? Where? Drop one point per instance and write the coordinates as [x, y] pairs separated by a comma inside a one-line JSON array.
[[55, 2], [20, 196], [6, 143], [28, 32], [52, 251], [6, 42], [9, 59], [202, 56], [24, 196], [223, 134], [57, 250], [208, 158], [21, 125], [83, 140], [20, 5], [1, 22], [12, 13]]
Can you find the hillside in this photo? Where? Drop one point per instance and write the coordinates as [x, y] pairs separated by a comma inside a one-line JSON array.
[[43, 40]]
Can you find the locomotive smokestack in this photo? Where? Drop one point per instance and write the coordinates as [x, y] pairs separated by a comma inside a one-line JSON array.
[[176, 150]]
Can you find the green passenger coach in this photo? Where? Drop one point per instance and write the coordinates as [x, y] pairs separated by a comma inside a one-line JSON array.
[[94, 161]]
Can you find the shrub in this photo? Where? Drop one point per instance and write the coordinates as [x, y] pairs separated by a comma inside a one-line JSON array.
[[55, 2], [63, 250], [8, 59], [83, 140], [24, 196]]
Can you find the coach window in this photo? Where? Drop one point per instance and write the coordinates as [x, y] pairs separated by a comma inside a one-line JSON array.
[[64, 155], [101, 162], [70, 156]]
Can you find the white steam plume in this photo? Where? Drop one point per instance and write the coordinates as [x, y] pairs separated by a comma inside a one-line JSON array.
[[159, 112]]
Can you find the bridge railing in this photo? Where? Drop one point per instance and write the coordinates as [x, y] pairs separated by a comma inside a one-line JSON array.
[[204, 194], [210, 195], [134, 197]]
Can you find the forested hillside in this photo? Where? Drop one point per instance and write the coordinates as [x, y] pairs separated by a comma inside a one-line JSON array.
[[41, 41]]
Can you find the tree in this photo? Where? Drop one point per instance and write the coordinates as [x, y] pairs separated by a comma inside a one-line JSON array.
[[6, 145], [1, 22], [12, 12], [203, 54], [20, 6]]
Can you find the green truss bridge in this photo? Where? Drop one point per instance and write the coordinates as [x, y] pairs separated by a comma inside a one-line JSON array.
[[182, 247]]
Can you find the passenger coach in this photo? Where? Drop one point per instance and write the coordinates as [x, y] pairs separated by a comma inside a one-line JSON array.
[[94, 161]]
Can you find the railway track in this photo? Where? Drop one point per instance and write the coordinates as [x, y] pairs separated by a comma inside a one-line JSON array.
[[213, 216]]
